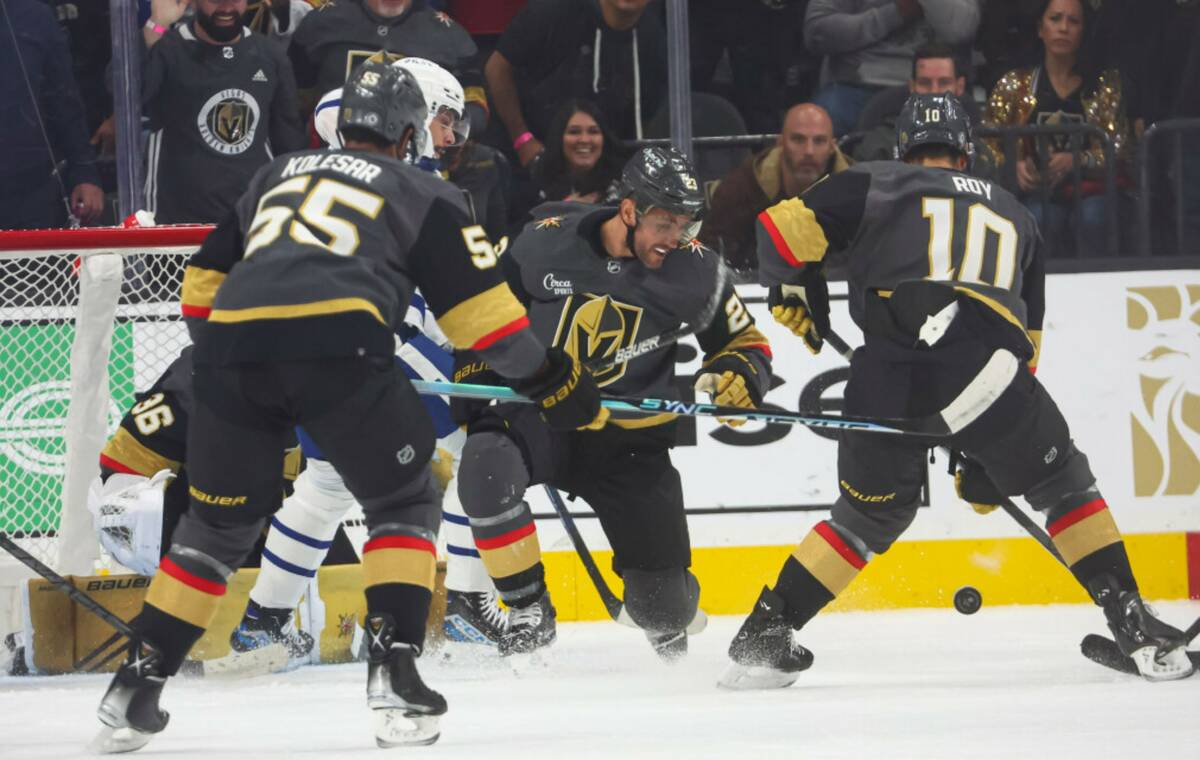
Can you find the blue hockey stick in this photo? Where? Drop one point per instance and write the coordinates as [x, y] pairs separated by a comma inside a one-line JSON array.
[[928, 427]]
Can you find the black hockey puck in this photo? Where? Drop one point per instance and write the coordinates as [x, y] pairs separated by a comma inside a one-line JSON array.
[[968, 600]]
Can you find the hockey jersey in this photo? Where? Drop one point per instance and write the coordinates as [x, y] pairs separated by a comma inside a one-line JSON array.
[[331, 41], [593, 305], [889, 223], [217, 113], [322, 254]]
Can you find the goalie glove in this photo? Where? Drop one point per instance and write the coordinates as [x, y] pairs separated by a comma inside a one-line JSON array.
[[127, 513], [803, 310], [730, 379], [972, 484]]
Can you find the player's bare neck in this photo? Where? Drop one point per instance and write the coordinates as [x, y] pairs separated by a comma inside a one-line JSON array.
[[613, 234], [940, 162]]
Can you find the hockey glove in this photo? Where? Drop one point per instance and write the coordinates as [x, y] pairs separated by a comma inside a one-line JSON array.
[[469, 368], [730, 379], [566, 393], [803, 310], [974, 486]]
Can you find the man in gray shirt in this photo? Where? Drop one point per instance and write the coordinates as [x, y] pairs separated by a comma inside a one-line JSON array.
[[869, 45]]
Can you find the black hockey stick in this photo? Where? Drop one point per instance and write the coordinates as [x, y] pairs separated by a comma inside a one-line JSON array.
[[702, 320], [63, 585], [611, 603], [82, 664]]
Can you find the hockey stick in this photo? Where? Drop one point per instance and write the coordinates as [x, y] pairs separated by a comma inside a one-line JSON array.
[[81, 664], [611, 603], [933, 427], [1099, 649], [63, 585], [655, 342]]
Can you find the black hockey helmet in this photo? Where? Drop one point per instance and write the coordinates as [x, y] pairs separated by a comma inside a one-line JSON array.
[[385, 100], [933, 120], [663, 178]]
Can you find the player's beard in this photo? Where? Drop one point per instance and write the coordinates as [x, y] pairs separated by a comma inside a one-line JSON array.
[[218, 32]]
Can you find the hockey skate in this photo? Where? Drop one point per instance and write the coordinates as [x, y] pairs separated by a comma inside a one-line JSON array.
[[266, 641], [670, 646], [129, 709], [529, 628], [406, 710], [763, 653], [1156, 648], [475, 617]]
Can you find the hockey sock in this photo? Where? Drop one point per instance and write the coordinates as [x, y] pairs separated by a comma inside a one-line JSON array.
[[465, 570], [510, 551], [301, 533], [180, 605], [1090, 543], [398, 574], [819, 569]]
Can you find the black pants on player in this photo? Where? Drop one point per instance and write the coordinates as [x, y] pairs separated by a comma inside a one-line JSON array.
[[369, 421], [625, 476]]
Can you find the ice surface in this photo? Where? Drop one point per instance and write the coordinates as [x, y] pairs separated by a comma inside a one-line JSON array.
[[1004, 683]]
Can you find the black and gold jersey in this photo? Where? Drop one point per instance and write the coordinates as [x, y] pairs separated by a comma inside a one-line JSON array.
[[152, 435], [593, 305], [217, 114], [339, 35], [320, 258], [890, 222]]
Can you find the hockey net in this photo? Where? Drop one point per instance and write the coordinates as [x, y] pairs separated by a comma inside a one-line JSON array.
[[88, 318]]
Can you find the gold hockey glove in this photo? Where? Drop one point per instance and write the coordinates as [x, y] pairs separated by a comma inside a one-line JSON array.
[[973, 486], [566, 393], [730, 379], [803, 310]]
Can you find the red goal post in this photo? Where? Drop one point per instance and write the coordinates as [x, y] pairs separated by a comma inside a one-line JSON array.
[[88, 318]]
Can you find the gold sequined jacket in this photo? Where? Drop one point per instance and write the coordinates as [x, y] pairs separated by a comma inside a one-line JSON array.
[[1014, 99]]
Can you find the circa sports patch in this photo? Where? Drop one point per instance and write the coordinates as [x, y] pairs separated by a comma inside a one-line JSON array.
[[228, 121]]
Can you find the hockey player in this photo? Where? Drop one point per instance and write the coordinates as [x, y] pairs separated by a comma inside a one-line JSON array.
[[946, 282], [301, 291], [596, 279], [303, 527]]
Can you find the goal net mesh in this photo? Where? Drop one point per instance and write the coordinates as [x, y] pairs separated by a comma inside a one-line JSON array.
[[108, 305]]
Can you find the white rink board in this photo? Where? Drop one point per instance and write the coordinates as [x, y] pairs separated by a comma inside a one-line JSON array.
[[1091, 364]]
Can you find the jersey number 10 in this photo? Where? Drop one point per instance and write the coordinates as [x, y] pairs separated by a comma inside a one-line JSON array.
[[945, 241]]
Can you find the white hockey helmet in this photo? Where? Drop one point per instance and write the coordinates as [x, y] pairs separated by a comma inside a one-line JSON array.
[[443, 97], [325, 118]]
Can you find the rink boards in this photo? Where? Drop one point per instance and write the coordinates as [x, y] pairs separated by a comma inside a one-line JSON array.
[[1121, 356]]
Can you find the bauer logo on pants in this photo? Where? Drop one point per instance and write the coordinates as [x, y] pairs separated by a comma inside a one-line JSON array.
[[228, 121], [1166, 425]]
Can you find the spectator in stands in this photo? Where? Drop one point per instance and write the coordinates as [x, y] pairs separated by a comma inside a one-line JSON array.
[[1066, 87], [87, 25], [35, 135], [759, 38], [331, 42], [277, 18], [610, 51], [870, 45], [221, 101], [935, 70], [804, 153]]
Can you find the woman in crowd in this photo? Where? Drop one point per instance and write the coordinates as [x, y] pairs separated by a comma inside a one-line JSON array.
[[1065, 87], [582, 160]]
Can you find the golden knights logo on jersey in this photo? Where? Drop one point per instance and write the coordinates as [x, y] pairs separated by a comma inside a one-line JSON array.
[[355, 57], [595, 327], [228, 121]]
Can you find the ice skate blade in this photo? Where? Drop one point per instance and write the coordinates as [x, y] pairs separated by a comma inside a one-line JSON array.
[[1168, 667], [115, 741], [749, 677], [402, 728]]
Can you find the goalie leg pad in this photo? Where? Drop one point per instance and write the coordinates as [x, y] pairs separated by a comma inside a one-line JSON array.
[[300, 536]]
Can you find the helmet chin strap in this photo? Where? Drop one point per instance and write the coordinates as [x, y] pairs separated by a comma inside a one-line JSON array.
[[629, 230]]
